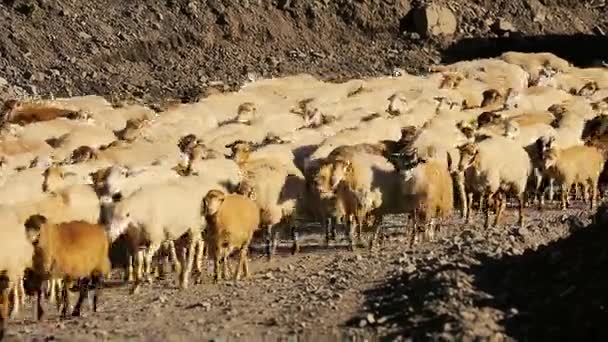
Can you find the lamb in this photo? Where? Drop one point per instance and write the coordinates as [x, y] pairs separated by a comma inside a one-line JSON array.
[[231, 219], [493, 174], [15, 257], [74, 251], [572, 166]]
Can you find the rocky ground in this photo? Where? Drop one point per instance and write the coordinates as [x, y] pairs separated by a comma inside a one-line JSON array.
[[546, 281], [177, 48]]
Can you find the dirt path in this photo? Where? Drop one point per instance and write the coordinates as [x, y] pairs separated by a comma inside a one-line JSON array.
[[471, 283]]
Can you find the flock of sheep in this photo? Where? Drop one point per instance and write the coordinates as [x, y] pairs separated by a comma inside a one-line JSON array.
[[79, 173]]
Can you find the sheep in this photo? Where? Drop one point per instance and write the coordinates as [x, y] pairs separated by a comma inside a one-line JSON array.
[[16, 254], [533, 63], [22, 113], [231, 220], [73, 251], [429, 193], [572, 166], [129, 132], [493, 168], [159, 213]]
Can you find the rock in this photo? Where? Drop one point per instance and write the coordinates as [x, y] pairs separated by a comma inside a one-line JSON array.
[[434, 20], [502, 26], [3, 82], [370, 318]]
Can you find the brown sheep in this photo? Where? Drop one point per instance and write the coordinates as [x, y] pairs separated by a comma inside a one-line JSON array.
[[231, 219], [23, 113], [74, 251]]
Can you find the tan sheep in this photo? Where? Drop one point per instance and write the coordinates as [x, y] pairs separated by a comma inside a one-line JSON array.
[[572, 166], [231, 220], [494, 168], [429, 194], [74, 251]]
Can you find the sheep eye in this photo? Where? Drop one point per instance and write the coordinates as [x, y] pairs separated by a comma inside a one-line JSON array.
[[128, 214]]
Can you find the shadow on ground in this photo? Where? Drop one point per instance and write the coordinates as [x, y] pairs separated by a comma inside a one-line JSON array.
[[557, 292], [582, 50]]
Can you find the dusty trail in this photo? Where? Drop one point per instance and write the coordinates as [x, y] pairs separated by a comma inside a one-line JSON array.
[[448, 289]]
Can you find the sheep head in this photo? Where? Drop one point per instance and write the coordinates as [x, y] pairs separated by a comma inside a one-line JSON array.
[[313, 118], [341, 169], [186, 142], [212, 202], [491, 97], [450, 79], [246, 112], [487, 118], [512, 99], [397, 104], [550, 157], [545, 75], [241, 150], [120, 220], [588, 89], [246, 188], [468, 156], [82, 154], [32, 227], [321, 180]]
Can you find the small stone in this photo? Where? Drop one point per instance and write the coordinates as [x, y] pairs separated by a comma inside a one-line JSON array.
[[84, 35], [3, 82], [269, 276], [503, 25], [362, 323], [370, 318]]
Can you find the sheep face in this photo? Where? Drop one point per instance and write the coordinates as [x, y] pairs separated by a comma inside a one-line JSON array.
[[32, 227], [82, 154], [397, 104], [240, 151], [545, 75], [511, 129], [246, 188], [450, 79], [490, 97], [186, 142], [468, 155], [550, 157], [212, 202], [513, 97], [313, 118], [50, 174], [588, 89], [340, 170], [246, 113]]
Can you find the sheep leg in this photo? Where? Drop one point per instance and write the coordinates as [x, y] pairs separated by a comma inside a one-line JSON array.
[[83, 287], [129, 269], [246, 261], [501, 203], [467, 217], [39, 308], [139, 265], [242, 262], [177, 266], [327, 230], [521, 210], [216, 263], [51, 292], [152, 249], [295, 248], [269, 242], [194, 239], [464, 203], [551, 189], [350, 226], [14, 292], [592, 195], [198, 261], [377, 226], [65, 297], [98, 284], [486, 210], [225, 271], [414, 228], [57, 292], [564, 197], [4, 299]]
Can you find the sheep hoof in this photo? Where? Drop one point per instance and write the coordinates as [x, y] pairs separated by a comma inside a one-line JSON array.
[[76, 313], [135, 289]]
